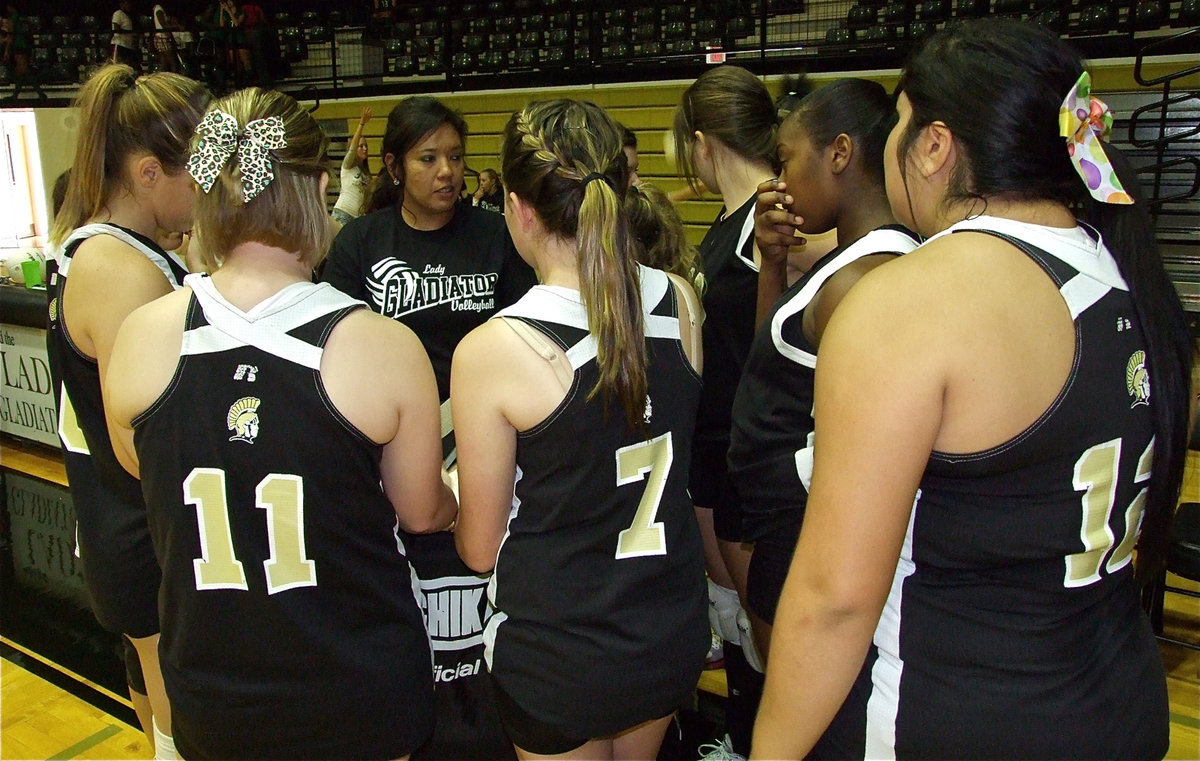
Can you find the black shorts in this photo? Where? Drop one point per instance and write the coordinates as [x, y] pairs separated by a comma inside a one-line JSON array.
[[133, 667], [529, 734], [120, 570], [710, 487], [764, 579]]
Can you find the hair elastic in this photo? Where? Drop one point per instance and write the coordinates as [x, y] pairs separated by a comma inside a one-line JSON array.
[[597, 176]]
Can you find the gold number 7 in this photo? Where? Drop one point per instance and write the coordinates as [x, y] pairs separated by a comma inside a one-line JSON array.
[[645, 536]]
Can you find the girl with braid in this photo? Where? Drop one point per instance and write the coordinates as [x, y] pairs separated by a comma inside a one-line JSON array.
[[574, 411]]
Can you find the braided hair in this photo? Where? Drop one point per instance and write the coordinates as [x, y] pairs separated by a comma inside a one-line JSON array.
[[564, 158]]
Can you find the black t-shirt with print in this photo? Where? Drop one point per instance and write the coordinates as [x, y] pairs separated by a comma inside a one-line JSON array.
[[441, 283]]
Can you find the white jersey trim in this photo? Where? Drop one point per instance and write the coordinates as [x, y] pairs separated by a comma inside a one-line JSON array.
[[497, 616], [265, 326], [883, 705], [874, 242], [743, 236], [564, 306], [1072, 246], [99, 228]]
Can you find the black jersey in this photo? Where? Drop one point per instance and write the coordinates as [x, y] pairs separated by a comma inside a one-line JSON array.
[[731, 277], [441, 283], [600, 616], [731, 287], [1013, 628], [454, 602], [120, 572], [771, 438], [290, 626]]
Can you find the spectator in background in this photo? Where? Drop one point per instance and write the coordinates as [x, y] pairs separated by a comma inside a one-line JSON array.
[[124, 41], [229, 21], [255, 34], [15, 44], [164, 41], [355, 175], [629, 146], [490, 194]]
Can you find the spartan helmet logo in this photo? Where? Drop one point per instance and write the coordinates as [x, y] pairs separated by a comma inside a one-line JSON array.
[[1137, 379], [242, 419]]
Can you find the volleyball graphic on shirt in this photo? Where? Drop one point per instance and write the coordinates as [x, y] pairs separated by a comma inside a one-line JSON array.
[[397, 289]]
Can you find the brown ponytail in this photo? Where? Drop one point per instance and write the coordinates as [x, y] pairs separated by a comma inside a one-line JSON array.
[[120, 115]]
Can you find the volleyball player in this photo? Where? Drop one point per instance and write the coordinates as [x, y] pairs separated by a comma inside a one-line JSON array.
[[126, 185], [831, 154], [284, 435], [1000, 418], [574, 413]]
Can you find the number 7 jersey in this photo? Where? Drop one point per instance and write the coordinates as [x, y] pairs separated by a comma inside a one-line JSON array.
[[289, 624], [599, 591]]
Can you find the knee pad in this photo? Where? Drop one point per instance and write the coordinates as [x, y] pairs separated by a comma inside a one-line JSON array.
[[723, 607], [749, 647]]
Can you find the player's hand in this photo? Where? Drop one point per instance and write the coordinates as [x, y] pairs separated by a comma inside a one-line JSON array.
[[775, 227]]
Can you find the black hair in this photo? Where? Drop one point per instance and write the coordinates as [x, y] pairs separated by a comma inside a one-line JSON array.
[[793, 89], [997, 84], [628, 138], [859, 108], [410, 120]]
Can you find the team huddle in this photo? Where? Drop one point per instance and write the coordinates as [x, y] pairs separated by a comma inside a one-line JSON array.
[[465, 484]]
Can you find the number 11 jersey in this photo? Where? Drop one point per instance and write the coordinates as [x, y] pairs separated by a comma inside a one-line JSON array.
[[289, 623]]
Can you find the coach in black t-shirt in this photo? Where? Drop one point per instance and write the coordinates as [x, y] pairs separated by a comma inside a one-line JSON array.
[[442, 268]]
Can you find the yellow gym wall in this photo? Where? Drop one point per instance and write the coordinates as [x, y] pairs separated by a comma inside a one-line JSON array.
[[646, 108]]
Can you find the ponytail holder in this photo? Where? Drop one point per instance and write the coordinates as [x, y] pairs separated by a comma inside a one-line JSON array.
[[597, 176], [1086, 122]]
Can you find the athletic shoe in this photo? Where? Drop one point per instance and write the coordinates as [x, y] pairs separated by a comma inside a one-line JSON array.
[[719, 750]]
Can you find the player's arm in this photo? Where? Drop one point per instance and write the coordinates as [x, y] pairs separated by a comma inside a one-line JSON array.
[[774, 233], [95, 305], [481, 378], [140, 367], [411, 464], [879, 392]]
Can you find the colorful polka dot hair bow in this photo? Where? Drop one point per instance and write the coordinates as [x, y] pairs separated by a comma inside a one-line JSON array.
[[220, 139], [1086, 123]]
